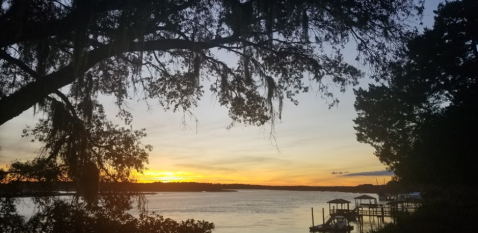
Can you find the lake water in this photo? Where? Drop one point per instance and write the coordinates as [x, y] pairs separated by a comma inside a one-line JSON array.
[[252, 211]]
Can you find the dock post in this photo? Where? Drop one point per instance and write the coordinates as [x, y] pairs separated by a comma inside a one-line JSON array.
[[323, 216], [312, 208]]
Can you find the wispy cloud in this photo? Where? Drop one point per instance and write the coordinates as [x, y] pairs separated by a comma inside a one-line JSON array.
[[339, 173], [371, 173]]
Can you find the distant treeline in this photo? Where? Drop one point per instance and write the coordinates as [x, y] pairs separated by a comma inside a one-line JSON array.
[[46, 188], [211, 187]]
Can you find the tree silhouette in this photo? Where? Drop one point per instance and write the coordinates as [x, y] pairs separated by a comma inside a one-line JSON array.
[[104, 46], [422, 120]]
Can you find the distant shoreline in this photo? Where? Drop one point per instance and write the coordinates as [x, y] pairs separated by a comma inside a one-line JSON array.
[[35, 189]]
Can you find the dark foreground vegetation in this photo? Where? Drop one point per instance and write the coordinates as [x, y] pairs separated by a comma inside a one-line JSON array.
[[442, 210], [59, 215], [423, 121]]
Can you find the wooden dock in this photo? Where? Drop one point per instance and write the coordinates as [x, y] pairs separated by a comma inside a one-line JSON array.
[[392, 209], [375, 210], [372, 209]]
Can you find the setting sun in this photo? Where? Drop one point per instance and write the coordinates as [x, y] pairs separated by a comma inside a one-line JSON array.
[[166, 176]]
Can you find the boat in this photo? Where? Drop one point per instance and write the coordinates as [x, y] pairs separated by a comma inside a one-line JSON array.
[[334, 224]]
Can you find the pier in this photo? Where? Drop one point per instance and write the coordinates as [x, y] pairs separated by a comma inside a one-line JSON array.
[[367, 206]]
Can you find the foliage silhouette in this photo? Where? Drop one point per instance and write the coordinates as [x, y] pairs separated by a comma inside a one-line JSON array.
[[422, 121], [61, 216], [103, 47]]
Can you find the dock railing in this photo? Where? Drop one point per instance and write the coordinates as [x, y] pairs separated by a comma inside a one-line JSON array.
[[381, 210], [384, 210]]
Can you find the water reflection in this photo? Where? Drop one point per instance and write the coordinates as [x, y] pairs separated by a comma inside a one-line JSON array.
[[254, 211]]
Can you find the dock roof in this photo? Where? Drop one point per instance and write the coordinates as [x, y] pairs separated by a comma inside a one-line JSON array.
[[364, 197], [338, 201]]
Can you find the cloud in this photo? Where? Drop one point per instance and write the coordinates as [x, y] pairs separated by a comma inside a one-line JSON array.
[[339, 173], [372, 173], [205, 167]]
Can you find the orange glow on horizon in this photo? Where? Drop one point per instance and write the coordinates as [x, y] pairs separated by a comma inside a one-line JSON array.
[[166, 176], [151, 176]]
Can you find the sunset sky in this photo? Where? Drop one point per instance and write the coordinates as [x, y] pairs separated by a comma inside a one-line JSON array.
[[313, 145]]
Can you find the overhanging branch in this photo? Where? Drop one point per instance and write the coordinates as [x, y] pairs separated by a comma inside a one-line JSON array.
[[20, 101]]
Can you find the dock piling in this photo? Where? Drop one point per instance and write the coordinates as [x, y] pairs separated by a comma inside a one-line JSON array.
[[312, 209]]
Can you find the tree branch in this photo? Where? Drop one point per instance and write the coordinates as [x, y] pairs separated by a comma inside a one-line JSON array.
[[35, 75], [5, 56], [12, 34], [24, 98]]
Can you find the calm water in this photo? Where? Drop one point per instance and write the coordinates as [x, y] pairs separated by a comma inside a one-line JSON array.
[[251, 211]]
